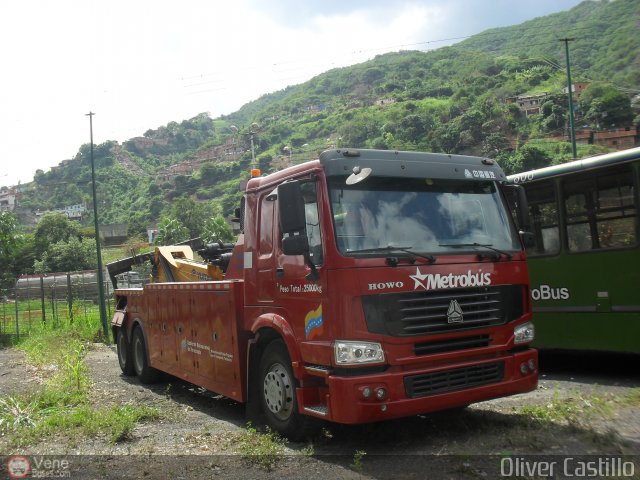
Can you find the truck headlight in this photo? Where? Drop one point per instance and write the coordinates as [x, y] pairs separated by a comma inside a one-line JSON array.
[[354, 353], [524, 333]]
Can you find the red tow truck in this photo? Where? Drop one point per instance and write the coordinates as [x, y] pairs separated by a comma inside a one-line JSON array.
[[366, 285]]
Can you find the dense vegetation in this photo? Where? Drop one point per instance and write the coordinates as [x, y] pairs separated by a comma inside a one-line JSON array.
[[454, 99]]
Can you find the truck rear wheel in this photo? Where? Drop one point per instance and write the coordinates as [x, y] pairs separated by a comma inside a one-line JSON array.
[[145, 373], [277, 387], [124, 353]]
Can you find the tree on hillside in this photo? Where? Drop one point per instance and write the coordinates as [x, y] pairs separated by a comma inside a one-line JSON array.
[[72, 255], [8, 233], [9, 240], [191, 215], [217, 229], [53, 228], [554, 112], [171, 231], [526, 158], [606, 106]]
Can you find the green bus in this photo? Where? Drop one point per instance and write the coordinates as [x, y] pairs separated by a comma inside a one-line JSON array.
[[584, 260]]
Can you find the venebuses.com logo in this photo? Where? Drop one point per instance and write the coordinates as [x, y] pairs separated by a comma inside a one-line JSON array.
[[19, 466]]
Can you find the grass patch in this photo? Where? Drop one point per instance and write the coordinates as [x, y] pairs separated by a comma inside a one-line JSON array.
[[357, 460], [261, 449], [62, 406], [116, 422], [632, 398], [576, 410]]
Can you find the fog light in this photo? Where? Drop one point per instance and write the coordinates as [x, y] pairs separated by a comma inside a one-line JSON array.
[[524, 369], [532, 364], [381, 393], [366, 392]]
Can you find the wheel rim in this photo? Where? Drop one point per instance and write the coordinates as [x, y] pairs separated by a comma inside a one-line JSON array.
[[138, 354], [278, 392], [122, 349]]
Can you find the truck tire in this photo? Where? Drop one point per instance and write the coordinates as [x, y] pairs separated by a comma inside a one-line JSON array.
[[124, 353], [140, 360], [277, 387]]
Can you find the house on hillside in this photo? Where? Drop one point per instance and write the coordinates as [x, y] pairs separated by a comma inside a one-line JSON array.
[[529, 104], [114, 233], [7, 199], [618, 138], [73, 212], [577, 89]]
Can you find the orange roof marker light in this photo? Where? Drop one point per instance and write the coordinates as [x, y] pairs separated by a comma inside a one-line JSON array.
[[255, 172]]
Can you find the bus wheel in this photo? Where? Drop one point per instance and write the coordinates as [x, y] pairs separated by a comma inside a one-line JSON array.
[[277, 387], [124, 353], [145, 373]]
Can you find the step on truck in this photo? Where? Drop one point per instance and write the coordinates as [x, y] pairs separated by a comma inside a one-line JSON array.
[[364, 286]]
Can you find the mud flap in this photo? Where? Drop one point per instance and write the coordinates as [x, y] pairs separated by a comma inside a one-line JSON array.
[[118, 318]]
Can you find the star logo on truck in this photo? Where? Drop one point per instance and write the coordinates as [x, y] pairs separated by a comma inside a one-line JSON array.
[[418, 278]]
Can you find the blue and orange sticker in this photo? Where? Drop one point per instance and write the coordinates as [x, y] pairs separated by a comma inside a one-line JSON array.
[[313, 323]]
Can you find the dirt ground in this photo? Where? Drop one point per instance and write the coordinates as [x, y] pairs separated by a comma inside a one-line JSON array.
[[194, 437]]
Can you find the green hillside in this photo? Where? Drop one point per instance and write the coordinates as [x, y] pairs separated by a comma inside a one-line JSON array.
[[453, 99], [605, 45]]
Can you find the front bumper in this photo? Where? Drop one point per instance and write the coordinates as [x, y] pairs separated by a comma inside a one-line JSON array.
[[439, 388]]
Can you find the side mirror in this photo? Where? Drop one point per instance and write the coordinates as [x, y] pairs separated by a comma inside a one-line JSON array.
[[292, 219], [239, 212], [522, 208], [295, 245], [291, 208], [517, 199]]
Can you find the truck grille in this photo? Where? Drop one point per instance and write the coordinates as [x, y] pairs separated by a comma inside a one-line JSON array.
[[452, 380], [425, 313], [451, 344]]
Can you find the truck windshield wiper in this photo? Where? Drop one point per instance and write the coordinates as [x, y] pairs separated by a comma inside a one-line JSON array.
[[393, 248], [483, 245]]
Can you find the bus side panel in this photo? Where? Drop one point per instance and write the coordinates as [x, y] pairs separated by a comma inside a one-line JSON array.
[[587, 300], [611, 331]]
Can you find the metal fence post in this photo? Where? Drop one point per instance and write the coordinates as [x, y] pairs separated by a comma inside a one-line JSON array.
[[17, 317], [44, 318], [69, 298]]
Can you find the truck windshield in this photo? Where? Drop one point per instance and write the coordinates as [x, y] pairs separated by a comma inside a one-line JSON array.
[[425, 215]]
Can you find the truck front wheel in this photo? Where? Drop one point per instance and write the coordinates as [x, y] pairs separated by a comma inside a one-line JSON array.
[[145, 373], [124, 353], [277, 387]]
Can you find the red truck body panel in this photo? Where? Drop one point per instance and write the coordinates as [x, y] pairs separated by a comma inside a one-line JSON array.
[[194, 332]]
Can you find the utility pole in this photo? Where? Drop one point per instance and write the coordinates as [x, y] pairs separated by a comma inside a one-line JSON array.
[[103, 311], [572, 126]]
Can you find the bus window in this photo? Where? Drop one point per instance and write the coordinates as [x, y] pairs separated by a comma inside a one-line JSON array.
[[600, 210], [543, 213]]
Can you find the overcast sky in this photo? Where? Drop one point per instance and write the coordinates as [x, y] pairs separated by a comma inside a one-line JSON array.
[[140, 64]]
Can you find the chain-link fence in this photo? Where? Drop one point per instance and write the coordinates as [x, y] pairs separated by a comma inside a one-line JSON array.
[[51, 299]]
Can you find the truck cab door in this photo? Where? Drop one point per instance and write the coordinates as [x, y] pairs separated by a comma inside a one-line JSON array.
[[300, 284]]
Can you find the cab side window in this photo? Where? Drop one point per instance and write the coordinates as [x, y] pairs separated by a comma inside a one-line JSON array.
[[312, 220], [266, 226]]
